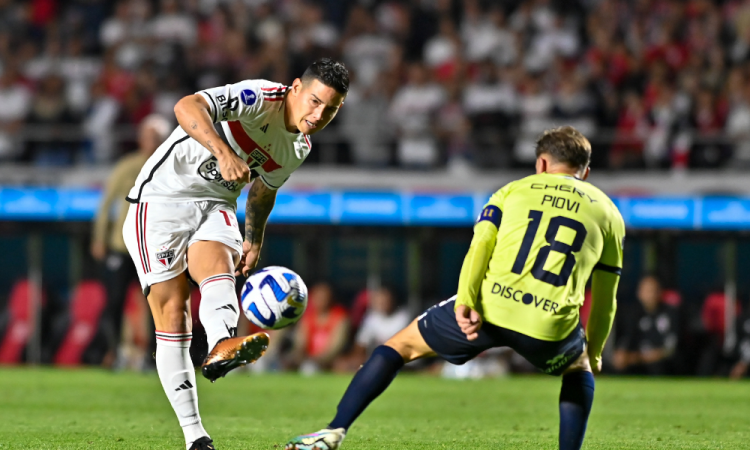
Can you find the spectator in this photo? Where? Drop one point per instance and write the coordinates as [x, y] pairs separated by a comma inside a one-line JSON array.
[[172, 25], [50, 107], [365, 125], [16, 101], [367, 52], [632, 128], [708, 148], [382, 320], [487, 37], [555, 39], [647, 343], [738, 130], [454, 130], [441, 52], [411, 112], [321, 335], [98, 124], [107, 244], [535, 107]]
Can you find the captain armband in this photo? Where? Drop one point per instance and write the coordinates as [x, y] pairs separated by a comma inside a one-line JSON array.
[[491, 213]]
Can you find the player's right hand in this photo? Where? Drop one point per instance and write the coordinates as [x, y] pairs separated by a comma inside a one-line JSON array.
[[250, 254], [596, 364], [233, 168], [469, 321]]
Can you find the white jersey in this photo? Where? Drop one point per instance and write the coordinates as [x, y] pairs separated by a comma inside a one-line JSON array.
[[250, 118]]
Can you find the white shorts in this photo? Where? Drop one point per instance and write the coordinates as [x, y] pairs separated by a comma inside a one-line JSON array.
[[158, 235]]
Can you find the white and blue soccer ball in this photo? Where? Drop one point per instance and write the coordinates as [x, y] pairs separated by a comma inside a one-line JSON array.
[[274, 297]]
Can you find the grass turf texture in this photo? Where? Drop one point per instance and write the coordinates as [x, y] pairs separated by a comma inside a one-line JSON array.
[[87, 409]]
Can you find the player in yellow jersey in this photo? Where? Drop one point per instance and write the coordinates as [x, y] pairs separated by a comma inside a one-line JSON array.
[[536, 244]]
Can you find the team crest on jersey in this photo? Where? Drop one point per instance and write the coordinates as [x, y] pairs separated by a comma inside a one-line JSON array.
[[165, 256], [259, 158], [248, 97]]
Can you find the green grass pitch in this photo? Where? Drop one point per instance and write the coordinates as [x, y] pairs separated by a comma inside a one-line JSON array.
[[93, 409]]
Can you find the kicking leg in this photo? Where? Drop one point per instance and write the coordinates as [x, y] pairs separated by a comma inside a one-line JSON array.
[[371, 380], [576, 398], [169, 302], [212, 264]]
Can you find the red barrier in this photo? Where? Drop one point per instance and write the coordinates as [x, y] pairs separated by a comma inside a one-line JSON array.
[[20, 323], [86, 307]]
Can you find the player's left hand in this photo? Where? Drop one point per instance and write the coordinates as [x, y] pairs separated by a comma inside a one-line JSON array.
[[469, 320], [250, 255]]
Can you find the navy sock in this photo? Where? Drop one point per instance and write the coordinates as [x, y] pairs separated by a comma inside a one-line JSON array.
[[369, 382], [576, 397]]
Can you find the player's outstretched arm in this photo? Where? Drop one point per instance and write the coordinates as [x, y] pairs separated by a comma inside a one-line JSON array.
[[603, 307], [194, 116], [475, 263], [260, 201]]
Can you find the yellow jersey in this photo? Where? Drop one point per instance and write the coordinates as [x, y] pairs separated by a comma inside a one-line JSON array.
[[542, 236]]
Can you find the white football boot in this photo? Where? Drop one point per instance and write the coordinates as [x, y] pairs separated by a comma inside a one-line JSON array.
[[324, 439]]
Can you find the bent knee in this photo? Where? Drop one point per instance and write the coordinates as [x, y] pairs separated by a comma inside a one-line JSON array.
[[581, 364], [410, 344]]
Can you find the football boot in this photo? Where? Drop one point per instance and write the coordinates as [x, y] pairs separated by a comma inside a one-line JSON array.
[[204, 443], [324, 439], [230, 353]]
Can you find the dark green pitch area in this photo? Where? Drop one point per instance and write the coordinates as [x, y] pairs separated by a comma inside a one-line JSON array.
[[93, 409]]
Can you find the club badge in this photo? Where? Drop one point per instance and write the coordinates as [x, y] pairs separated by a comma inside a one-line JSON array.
[[165, 256]]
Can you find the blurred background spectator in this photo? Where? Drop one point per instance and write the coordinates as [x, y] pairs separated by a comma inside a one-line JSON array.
[[647, 339], [322, 332], [383, 319]]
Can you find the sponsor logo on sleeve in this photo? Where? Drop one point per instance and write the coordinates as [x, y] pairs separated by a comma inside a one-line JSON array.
[[227, 104], [248, 97]]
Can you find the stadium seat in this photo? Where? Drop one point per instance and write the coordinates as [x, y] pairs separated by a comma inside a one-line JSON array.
[[86, 307], [20, 324]]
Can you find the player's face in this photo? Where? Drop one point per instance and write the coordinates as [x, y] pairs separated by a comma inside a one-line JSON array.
[[314, 105]]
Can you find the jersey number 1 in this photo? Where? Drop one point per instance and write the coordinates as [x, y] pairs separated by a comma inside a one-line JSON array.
[[537, 269]]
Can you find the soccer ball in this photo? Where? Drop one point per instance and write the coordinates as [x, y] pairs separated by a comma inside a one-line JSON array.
[[274, 297]]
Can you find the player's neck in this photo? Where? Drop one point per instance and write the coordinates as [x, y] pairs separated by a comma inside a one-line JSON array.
[[563, 171], [289, 123]]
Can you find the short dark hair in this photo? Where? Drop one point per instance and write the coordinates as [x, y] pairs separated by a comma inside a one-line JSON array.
[[329, 72], [566, 145]]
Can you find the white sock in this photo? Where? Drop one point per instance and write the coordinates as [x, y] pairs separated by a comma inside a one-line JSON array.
[[219, 310], [177, 377]]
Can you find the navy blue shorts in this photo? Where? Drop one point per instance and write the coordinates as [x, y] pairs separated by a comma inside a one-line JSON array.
[[441, 332]]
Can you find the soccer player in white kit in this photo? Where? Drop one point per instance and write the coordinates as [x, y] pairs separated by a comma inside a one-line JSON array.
[[182, 223]]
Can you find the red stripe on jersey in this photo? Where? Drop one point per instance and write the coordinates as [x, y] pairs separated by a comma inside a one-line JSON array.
[[309, 145], [248, 145], [145, 246], [273, 89], [138, 234]]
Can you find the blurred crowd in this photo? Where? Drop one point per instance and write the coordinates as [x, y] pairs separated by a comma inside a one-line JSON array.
[[654, 83]]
